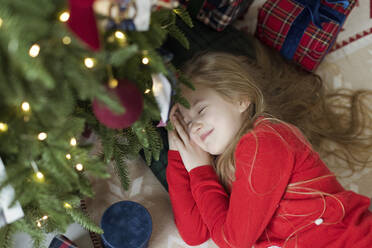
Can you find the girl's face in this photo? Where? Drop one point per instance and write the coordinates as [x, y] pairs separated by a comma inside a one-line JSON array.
[[211, 121]]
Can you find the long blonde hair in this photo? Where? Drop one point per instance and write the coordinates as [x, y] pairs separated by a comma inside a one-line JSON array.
[[284, 92]]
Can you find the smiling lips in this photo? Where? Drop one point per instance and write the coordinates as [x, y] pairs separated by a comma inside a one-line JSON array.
[[204, 136]]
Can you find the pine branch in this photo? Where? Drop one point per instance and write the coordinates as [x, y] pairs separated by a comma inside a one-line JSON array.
[[157, 34], [184, 15], [156, 142], [97, 169], [36, 234], [85, 187], [84, 221], [169, 127], [6, 234], [176, 33], [107, 141], [121, 168], [183, 101], [148, 156], [120, 56], [140, 131]]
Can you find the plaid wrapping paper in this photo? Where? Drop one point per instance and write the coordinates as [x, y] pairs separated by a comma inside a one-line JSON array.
[[288, 26], [219, 13], [60, 241]]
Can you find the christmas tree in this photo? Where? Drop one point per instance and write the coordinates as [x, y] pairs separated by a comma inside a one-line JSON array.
[[61, 75]]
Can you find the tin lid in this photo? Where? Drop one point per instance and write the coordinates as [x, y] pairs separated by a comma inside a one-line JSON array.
[[126, 224]]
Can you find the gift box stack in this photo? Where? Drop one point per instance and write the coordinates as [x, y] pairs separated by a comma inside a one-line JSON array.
[[302, 30]]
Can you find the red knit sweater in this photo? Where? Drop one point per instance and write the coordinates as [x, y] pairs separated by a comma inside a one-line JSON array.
[[268, 205]]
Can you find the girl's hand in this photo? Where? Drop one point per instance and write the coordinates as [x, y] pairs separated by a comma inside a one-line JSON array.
[[192, 155]]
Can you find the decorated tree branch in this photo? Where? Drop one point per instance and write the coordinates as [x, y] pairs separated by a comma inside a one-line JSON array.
[[70, 68]]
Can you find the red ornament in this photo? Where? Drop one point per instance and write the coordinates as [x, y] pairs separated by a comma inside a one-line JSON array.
[[132, 100]]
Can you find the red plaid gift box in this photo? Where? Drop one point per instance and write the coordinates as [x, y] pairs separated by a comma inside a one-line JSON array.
[[302, 30], [61, 241]]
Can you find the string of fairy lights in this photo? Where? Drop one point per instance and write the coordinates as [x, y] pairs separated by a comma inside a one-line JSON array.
[[38, 175], [89, 63]]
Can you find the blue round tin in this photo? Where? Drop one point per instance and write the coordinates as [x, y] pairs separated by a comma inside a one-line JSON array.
[[126, 224]]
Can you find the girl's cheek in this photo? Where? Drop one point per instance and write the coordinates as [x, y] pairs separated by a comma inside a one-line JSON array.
[[213, 117], [195, 140]]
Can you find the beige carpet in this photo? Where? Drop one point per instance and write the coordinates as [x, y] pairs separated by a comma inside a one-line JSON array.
[[349, 65]]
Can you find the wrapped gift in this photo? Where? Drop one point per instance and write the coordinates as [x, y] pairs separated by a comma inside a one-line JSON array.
[[8, 213], [302, 30], [217, 13], [61, 241]]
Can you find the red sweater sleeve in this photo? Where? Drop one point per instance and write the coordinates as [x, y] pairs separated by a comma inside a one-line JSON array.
[[240, 220], [186, 213]]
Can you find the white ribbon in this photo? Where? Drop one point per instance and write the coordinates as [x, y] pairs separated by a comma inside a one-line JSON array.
[[8, 215]]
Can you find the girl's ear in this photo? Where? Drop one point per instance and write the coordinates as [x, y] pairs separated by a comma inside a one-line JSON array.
[[243, 105]]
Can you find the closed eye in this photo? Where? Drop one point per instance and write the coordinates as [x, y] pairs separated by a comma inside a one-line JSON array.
[[188, 123], [202, 110]]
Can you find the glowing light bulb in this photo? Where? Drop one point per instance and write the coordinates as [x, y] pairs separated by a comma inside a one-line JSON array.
[[120, 35], [3, 127], [145, 60], [113, 83], [38, 224], [42, 136], [64, 16], [45, 217], [34, 50], [39, 176], [66, 40], [89, 62], [79, 167], [25, 106], [147, 91], [68, 156], [67, 205], [73, 142]]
